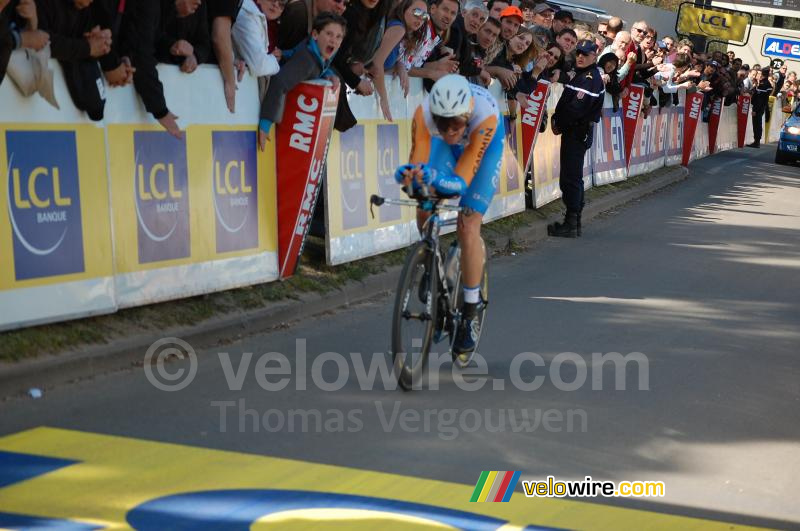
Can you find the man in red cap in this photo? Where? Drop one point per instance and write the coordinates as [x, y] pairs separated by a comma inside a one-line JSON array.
[[510, 20]]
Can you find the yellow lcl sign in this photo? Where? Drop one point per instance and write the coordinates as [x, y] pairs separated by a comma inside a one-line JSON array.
[[721, 25]]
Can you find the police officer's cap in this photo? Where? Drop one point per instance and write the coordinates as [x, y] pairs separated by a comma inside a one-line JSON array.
[[586, 46]]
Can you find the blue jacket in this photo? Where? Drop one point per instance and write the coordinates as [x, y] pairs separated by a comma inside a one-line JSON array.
[[306, 64]]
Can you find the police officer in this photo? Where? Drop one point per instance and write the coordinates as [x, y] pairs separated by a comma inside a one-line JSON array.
[[760, 104], [578, 109]]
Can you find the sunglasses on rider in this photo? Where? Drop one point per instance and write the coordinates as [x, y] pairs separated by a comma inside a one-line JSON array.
[[448, 123], [420, 13]]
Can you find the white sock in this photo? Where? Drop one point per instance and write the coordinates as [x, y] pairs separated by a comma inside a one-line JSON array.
[[472, 295]]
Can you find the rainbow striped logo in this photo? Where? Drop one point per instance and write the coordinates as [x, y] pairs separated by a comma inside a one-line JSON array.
[[495, 486]]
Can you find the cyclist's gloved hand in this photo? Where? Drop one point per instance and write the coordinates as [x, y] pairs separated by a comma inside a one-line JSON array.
[[400, 172], [448, 184]]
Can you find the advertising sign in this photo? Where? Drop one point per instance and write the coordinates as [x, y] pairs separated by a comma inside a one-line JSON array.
[[44, 203], [302, 140], [631, 108], [532, 119], [235, 190], [713, 23], [713, 124], [692, 113], [742, 115]]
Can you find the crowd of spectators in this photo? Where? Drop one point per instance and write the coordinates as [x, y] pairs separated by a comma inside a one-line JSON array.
[[111, 43]]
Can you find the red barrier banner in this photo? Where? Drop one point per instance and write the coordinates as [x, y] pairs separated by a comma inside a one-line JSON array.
[[532, 120], [301, 149], [631, 108], [742, 115], [713, 124], [693, 111]]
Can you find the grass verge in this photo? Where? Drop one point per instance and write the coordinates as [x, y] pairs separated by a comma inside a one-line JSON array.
[[313, 276]]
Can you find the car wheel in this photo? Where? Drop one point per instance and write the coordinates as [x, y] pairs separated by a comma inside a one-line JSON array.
[[780, 157]]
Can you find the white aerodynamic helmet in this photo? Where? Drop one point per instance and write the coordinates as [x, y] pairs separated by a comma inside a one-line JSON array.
[[451, 96]]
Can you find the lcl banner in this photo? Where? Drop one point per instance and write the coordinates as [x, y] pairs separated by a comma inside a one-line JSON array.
[[713, 125], [631, 108], [532, 120], [693, 110], [742, 114], [302, 140]]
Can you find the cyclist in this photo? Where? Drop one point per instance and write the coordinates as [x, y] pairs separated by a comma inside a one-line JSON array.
[[457, 149]]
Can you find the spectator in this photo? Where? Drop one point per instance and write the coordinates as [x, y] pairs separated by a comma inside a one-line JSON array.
[[543, 16], [671, 49], [486, 38], [458, 40], [627, 59], [434, 61], [760, 104], [579, 107], [621, 41], [312, 60], [602, 29], [297, 19], [222, 16], [496, 8], [183, 34], [567, 39], [609, 66], [510, 22], [562, 19], [139, 37], [555, 61], [516, 54], [685, 46], [731, 56], [638, 74], [780, 78], [7, 43], [669, 77], [366, 24], [743, 80], [748, 83], [470, 61], [614, 26], [404, 32], [19, 28], [527, 7], [250, 36], [80, 35]]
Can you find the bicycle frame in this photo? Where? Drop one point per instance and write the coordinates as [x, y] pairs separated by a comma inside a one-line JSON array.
[[430, 234]]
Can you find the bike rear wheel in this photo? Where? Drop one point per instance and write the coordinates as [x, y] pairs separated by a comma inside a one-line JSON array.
[[414, 315]]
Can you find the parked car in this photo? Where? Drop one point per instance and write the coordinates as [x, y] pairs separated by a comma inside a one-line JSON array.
[[789, 143]]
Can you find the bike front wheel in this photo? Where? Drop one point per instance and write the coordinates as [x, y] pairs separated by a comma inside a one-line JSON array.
[[414, 315]]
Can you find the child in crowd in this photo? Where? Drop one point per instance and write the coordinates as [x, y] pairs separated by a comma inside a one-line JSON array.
[[311, 61]]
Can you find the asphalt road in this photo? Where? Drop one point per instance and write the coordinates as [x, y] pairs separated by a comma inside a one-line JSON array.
[[701, 280]]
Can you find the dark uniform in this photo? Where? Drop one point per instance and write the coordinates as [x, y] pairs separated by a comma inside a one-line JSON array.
[[580, 106], [759, 104]]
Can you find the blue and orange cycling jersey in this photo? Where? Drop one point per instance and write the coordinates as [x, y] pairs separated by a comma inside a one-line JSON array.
[[476, 159]]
